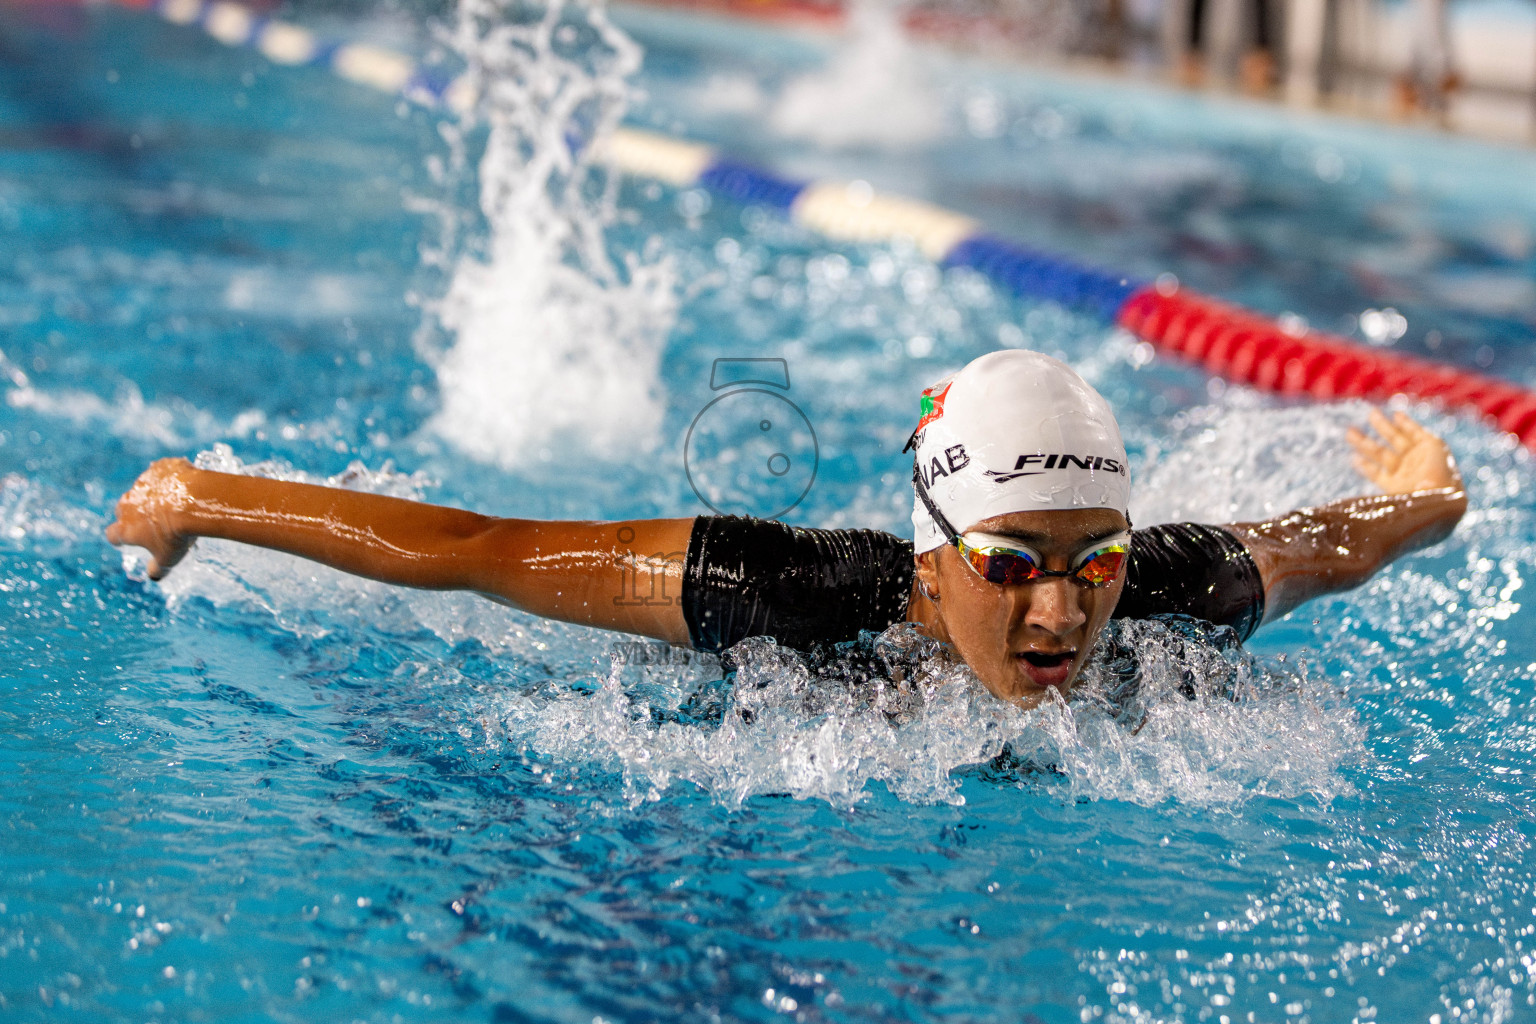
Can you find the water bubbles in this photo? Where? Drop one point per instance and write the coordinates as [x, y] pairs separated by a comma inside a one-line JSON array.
[[34, 517], [727, 250], [831, 270], [882, 268], [1242, 458], [919, 281]]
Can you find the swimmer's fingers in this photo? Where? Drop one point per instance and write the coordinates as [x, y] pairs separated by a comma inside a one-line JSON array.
[[134, 530], [1372, 460], [1411, 428], [1391, 431], [146, 516], [1372, 472], [164, 551], [1408, 457], [165, 559], [1367, 448]]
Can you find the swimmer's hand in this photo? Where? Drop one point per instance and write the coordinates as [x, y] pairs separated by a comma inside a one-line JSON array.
[[1333, 547], [147, 515], [1406, 459]]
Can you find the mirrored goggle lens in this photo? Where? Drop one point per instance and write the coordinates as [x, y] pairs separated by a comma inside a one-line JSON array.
[[1002, 565], [1101, 567], [1010, 566]]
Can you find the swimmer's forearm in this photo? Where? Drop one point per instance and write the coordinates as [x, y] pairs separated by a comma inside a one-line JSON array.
[[388, 539], [623, 576], [1316, 551]]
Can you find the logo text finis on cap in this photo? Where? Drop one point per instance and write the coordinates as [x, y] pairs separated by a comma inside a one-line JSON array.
[[1031, 465]]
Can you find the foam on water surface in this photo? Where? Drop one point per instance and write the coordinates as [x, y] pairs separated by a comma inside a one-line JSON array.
[[33, 517], [904, 715]]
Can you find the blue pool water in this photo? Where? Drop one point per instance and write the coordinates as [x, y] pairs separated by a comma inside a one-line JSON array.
[[265, 791]]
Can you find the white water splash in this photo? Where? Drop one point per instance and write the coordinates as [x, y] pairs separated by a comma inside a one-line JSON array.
[[35, 518], [553, 340], [1205, 724], [875, 91], [127, 416], [909, 718], [1243, 458]]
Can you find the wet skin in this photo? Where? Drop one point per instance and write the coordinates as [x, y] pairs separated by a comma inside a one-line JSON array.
[[1021, 640]]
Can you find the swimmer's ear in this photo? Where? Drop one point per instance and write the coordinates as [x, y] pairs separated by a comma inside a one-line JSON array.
[[928, 574]]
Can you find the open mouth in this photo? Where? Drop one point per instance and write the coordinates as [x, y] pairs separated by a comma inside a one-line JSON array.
[[1040, 659], [1047, 668]]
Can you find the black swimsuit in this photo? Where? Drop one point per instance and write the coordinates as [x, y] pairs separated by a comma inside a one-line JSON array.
[[757, 577]]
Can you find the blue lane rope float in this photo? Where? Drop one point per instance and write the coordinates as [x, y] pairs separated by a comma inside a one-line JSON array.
[[1029, 272], [1236, 343], [749, 186]]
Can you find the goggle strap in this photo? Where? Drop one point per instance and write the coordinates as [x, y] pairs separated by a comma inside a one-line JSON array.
[[950, 533]]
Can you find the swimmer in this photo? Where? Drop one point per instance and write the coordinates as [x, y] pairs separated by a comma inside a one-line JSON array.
[[1022, 546]]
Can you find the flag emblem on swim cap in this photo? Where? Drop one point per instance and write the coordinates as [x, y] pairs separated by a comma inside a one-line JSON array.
[[932, 405]]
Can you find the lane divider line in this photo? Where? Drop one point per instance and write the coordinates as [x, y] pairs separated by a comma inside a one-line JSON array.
[[1227, 340], [646, 155], [855, 212]]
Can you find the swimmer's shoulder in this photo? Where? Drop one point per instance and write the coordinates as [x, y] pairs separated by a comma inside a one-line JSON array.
[[801, 585]]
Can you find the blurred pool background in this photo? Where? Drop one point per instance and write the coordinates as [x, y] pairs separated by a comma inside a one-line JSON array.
[[264, 791]]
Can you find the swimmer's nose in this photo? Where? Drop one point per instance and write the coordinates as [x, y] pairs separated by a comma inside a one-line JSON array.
[[1055, 606]]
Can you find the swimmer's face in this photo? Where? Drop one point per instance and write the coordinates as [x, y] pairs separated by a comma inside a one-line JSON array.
[[1022, 640]]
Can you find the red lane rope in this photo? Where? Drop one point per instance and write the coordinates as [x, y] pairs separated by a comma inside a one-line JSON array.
[[1245, 347], [1227, 340], [828, 13]]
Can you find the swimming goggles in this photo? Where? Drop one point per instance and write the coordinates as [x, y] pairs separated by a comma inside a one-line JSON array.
[[1004, 560]]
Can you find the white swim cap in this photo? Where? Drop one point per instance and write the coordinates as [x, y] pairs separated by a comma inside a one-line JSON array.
[[1015, 431]]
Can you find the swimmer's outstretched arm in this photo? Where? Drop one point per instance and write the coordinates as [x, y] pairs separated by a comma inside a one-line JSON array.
[[1316, 551], [624, 576]]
